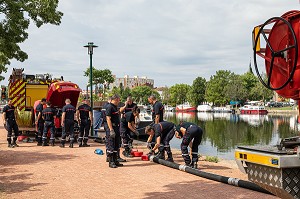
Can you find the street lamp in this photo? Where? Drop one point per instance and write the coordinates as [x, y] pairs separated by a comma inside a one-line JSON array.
[[90, 48]]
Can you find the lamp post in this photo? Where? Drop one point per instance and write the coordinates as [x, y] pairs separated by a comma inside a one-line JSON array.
[[90, 48]]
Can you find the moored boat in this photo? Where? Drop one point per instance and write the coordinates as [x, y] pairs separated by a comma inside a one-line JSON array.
[[204, 108], [185, 108], [249, 109], [169, 108]]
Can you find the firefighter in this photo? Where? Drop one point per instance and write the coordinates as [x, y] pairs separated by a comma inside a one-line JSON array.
[[67, 123], [113, 131], [157, 109], [162, 133], [48, 115], [129, 104], [85, 119], [189, 132], [39, 122], [128, 124], [9, 122]]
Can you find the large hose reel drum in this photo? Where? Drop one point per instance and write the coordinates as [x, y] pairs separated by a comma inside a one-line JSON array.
[[282, 66]]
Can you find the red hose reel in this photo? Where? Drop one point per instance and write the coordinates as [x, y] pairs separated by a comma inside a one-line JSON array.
[[282, 65]]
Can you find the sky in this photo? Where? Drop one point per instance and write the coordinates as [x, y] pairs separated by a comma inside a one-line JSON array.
[[170, 41]]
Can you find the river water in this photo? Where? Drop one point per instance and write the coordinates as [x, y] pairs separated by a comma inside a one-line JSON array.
[[223, 132]]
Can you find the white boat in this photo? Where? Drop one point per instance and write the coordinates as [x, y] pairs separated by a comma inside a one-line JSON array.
[[204, 108], [169, 108], [221, 110], [185, 108], [250, 109], [145, 120]]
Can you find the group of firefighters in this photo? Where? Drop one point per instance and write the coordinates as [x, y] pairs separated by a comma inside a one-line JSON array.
[[118, 123], [160, 132]]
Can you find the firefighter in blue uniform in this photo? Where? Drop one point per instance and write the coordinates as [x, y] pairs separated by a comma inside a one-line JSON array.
[[85, 119], [189, 132], [67, 123], [39, 122], [9, 122], [157, 110], [48, 115], [113, 131], [163, 132], [127, 125]]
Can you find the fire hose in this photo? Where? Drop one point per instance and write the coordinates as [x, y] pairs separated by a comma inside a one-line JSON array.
[[227, 180]]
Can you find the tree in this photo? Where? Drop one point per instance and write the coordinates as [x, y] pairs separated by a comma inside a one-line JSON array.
[[165, 95], [178, 93], [235, 89], [215, 89], [249, 82], [101, 78], [196, 94], [14, 22], [260, 92], [141, 94]]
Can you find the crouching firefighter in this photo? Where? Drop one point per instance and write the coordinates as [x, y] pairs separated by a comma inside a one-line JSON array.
[[9, 122], [113, 131], [190, 133], [163, 132], [128, 124]]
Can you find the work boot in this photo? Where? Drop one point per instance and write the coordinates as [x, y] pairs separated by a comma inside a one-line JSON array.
[[62, 143], [71, 145], [111, 162], [170, 158], [116, 160], [194, 165], [15, 144], [80, 144], [39, 144], [161, 153], [127, 153], [86, 145], [9, 145], [45, 144], [52, 143], [107, 159]]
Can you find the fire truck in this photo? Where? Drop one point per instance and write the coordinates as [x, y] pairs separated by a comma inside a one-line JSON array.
[[26, 91]]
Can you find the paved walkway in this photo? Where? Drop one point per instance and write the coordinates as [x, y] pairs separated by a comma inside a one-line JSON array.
[[53, 172]]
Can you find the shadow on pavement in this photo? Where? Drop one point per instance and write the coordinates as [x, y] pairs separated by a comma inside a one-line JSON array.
[[200, 189]]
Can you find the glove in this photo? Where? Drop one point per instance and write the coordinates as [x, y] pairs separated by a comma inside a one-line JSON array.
[[149, 146], [137, 133], [112, 134]]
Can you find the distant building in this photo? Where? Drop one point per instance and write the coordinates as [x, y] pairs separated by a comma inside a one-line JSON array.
[[131, 82]]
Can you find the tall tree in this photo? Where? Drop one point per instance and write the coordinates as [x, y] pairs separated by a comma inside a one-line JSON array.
[[215, 89], [235, 89], [14, 22], [141, 94], [196, 94], [178, 93], [101, 78]]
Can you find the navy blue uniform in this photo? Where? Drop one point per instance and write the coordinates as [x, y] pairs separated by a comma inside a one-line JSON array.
[[125, 131], [113, 144], [158, 109], [48, 115], [85, 123], [164, 130], [11, 123], [193, 132], [129, 108], [40, 123], [68, 127]]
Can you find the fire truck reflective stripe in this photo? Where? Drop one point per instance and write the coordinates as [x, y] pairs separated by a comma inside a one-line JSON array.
[[17, 97], [20, 85]]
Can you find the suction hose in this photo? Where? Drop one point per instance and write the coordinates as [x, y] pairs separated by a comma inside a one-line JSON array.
[[231, 181]]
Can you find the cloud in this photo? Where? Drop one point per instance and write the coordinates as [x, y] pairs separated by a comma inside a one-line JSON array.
[[171, 41]]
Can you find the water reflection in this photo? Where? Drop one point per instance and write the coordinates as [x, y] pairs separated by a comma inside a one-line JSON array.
[[224, 131]]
